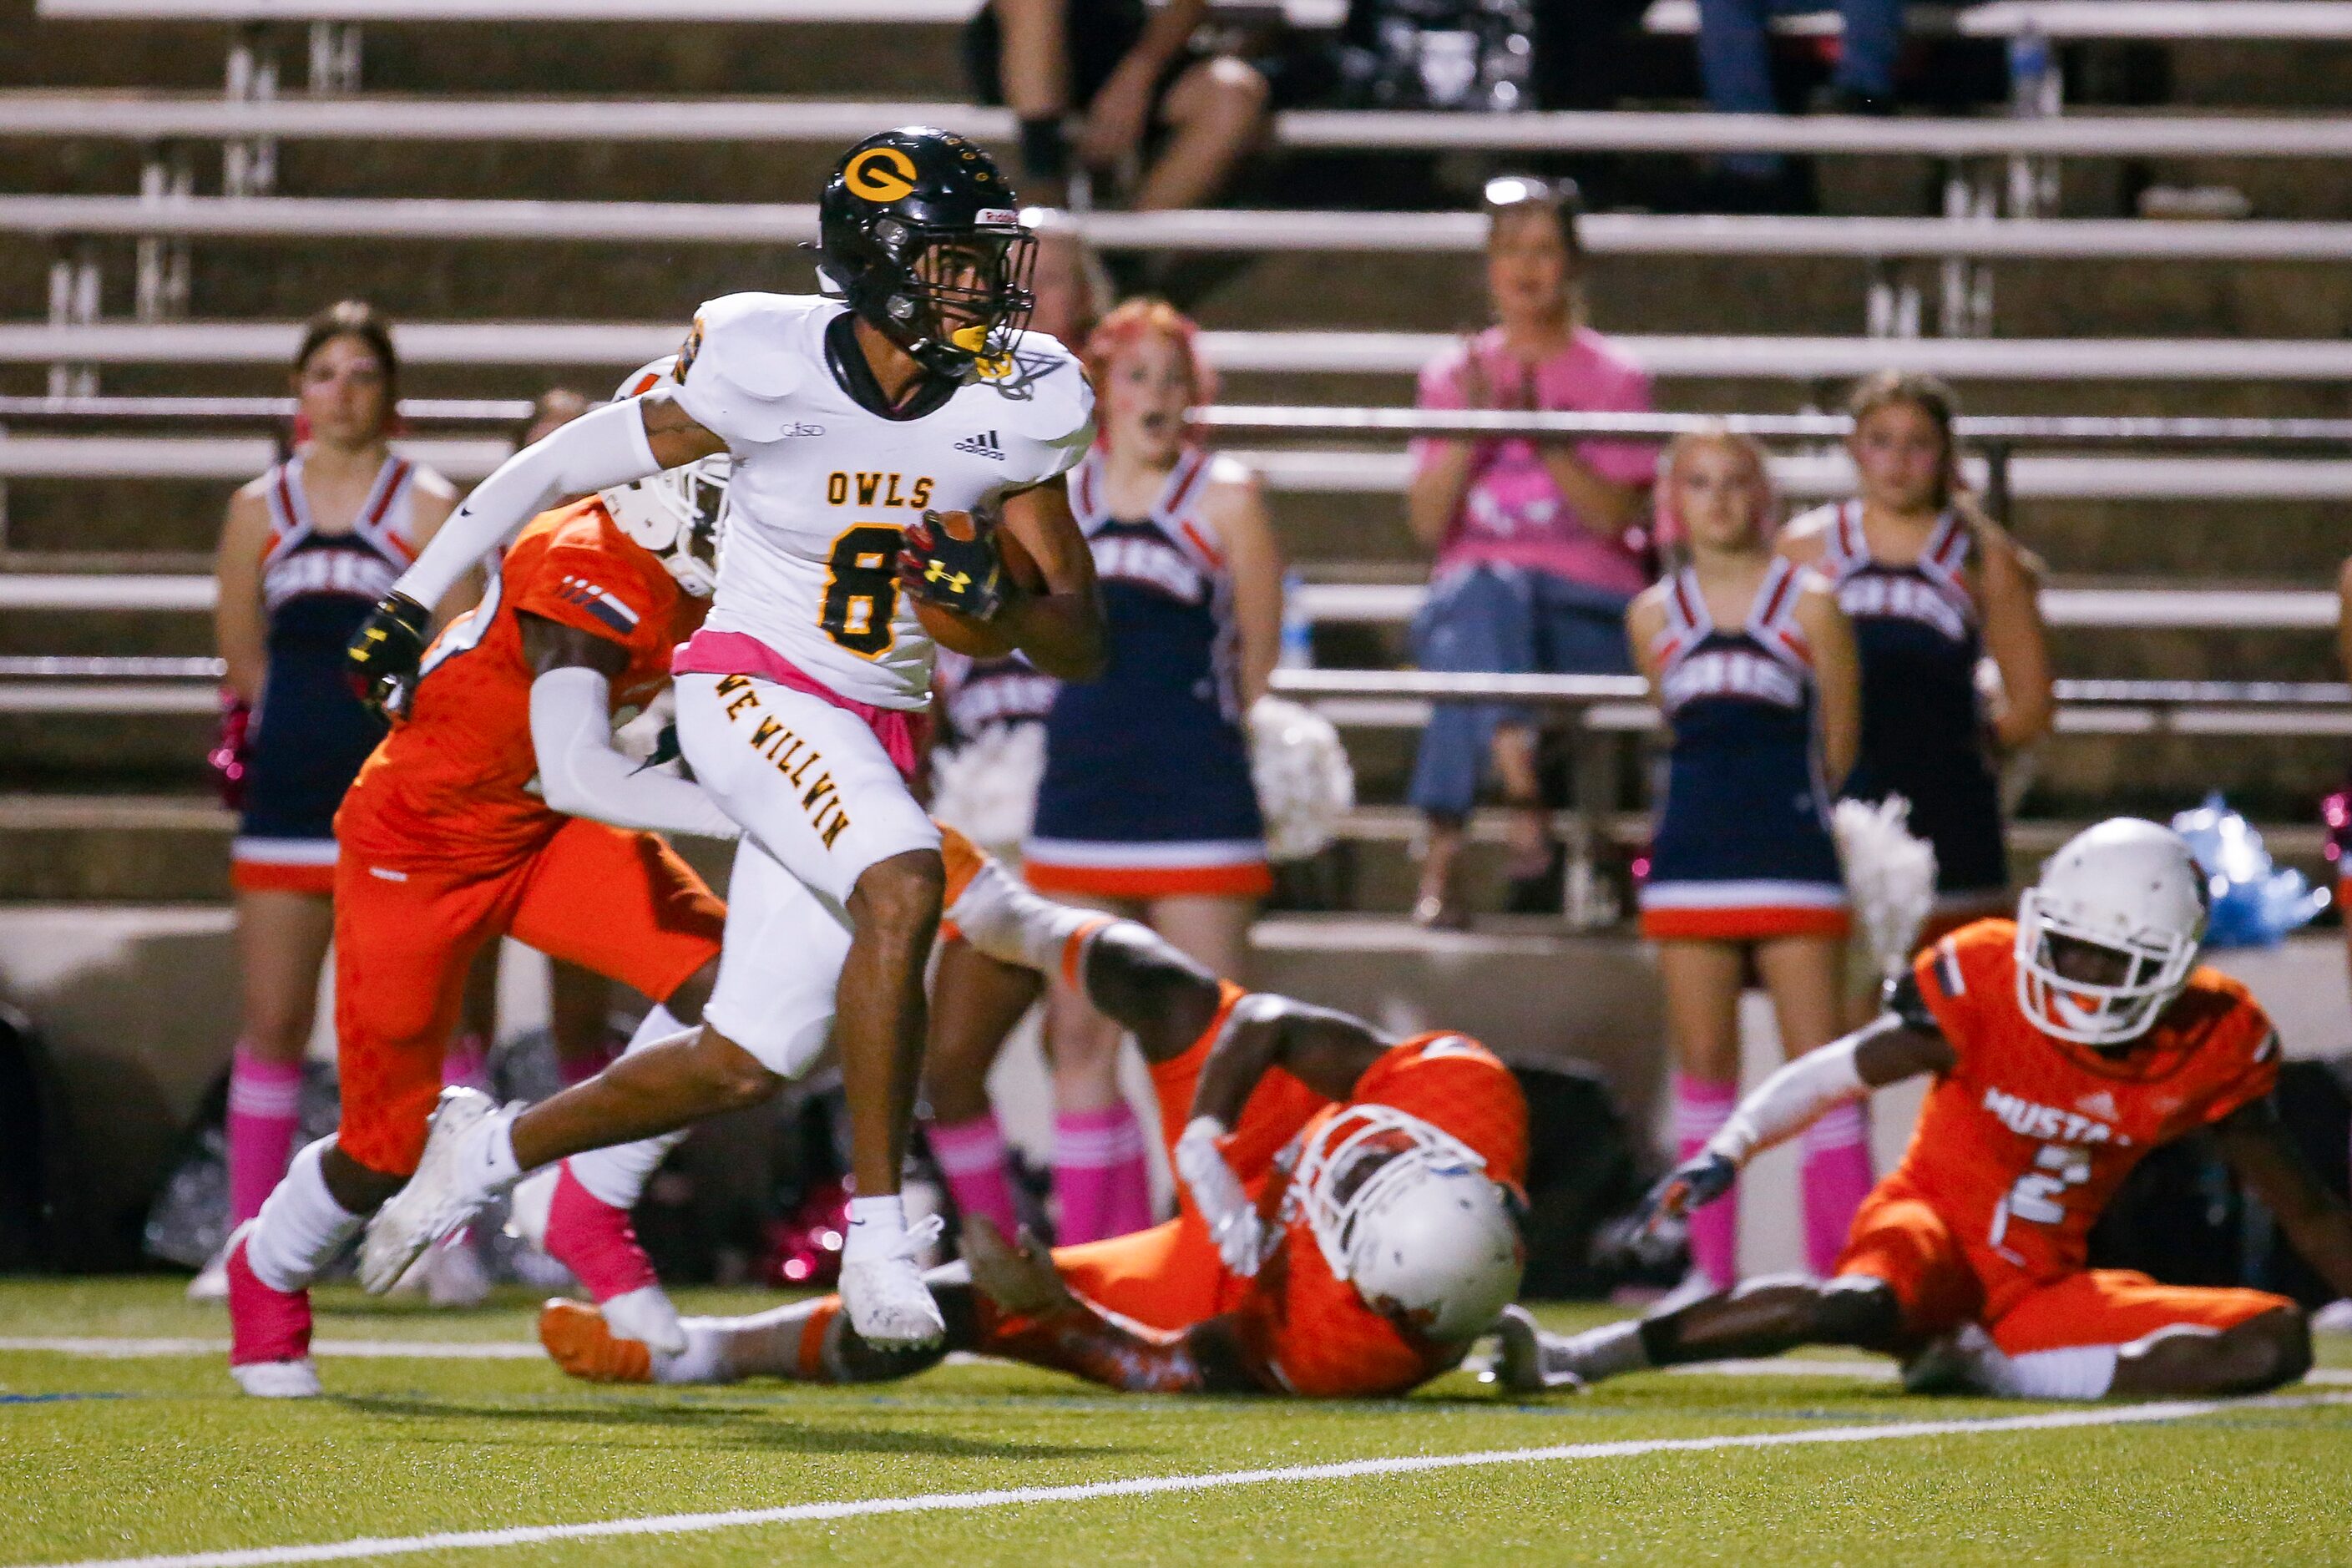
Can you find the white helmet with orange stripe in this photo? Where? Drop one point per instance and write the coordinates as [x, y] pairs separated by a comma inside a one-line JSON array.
[[678, 514], [1405, 1212], [2107, 937]]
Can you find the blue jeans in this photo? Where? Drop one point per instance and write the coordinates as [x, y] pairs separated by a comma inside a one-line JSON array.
[[1735, 56], [1502, 620]]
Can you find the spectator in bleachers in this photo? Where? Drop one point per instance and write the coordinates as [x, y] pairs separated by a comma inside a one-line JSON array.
[[1754, 665], [1735, 56], [1072, 289], [1144, 101], [1935, 587], [1537, 541], [1147, 807], [308, 549]]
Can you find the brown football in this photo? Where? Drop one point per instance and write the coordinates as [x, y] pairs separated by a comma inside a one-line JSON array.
[[981, 639]]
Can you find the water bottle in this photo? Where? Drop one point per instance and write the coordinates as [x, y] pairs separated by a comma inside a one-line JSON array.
[[1297, 631]]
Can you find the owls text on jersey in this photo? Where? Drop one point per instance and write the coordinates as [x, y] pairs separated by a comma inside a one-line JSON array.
[[823, 488]]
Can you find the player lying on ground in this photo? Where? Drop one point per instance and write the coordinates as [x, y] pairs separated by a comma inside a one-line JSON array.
[[1346, 1220], [497, 806], [866, 431], [2064, 1045]]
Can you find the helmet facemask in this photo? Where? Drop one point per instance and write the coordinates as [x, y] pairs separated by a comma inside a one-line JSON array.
[[1363, 1182], [2094, 984], [679, 515], [954, 297]]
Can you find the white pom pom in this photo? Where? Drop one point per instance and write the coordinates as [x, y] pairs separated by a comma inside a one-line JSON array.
[[1304, 783], [1891, 874], [987, 788]]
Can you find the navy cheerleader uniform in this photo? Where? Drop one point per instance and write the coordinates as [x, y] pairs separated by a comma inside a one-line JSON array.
[[1742, 850], [1147, 791], [311, 732], [1923, 721]]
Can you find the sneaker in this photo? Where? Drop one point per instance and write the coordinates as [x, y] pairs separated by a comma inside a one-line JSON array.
[[269, 1331], [1950, 1363], [578, 1339], [439, 1198], [1526, 1361], [211, 1283], [885, 1295]]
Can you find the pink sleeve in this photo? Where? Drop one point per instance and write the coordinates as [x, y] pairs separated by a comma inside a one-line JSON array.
[[1440, 387], [1623, 388]]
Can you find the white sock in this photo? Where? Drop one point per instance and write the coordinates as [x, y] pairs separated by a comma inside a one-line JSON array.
[[877, 1227], [617, 1176], [489, 1158], [1610, 1350], [2081, 1371], [704, 1360], [1014, 925], [301, 1227]]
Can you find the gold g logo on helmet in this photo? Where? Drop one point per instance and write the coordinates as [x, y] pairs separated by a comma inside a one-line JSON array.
[[880, 174]]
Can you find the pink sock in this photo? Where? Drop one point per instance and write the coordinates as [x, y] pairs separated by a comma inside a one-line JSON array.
[[595, 1241], [1837, 1178], [1701, 1108], [265, 1104], [1098, 1154], [466, 1063], [971, 1156]]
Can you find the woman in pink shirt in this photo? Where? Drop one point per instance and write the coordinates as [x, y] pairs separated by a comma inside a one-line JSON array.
[[1538, 543]]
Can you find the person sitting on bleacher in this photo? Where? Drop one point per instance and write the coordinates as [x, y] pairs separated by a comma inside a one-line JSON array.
[[1536, 559], [1124, 73], [1735, 57]]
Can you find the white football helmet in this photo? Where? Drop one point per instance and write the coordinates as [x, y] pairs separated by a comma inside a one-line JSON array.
[[1406, 1214], [2125, 885], [678, 514]]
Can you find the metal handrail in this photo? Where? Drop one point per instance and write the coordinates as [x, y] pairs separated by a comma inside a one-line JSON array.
[[2071, 430]]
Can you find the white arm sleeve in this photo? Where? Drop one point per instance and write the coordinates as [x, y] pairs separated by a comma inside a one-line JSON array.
[[581, 775], [1790, 1100], [603, 447]]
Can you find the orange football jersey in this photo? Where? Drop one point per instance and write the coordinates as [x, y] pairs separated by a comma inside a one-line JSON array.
[[1308, 1330], [2021, 1146], [450, 782]]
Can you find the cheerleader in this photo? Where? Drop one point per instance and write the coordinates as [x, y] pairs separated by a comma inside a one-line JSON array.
[[306, 549], [1146, 808], [1753, 665], [1933, 587]]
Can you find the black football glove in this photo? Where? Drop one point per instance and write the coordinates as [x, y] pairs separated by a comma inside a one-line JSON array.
[[381, 661], [1693, 1185], [951, 558]]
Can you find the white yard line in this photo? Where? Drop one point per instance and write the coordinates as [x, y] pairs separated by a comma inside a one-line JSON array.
[[1151, 1485], [403, 1349]]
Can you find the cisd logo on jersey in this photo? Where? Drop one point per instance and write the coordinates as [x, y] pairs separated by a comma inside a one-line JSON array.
[[880, 174]]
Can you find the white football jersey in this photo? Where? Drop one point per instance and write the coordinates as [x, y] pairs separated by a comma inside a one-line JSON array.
[[822, 487]]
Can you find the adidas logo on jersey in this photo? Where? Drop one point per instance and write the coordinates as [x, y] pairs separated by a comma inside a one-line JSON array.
[[986, 446]]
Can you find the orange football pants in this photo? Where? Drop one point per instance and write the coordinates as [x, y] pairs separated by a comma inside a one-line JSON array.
[[1899, 1237], [622, 904]]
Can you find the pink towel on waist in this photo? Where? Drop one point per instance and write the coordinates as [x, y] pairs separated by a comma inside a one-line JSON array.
[[900, 729]]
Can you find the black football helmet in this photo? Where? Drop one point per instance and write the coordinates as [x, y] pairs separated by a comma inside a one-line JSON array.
[[922, 233]]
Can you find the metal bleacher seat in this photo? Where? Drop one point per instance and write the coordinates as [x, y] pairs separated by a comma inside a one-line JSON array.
[[616, 345], [284, 218], [2147, 21]]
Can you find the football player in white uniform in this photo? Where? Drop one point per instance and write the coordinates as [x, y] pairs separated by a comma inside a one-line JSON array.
[[865, 432]]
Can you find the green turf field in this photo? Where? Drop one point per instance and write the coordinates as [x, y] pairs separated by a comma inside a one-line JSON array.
[[114, 1456]]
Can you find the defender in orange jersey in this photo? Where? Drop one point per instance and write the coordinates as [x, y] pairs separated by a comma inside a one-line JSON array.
[[498, 805], [2065, 1047], [1345, 1223]]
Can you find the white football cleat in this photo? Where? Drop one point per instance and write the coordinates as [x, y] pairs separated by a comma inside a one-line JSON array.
[[279, 1379], [1526, 1361], [646, 1315], [439, 1199], [888, 1304]]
